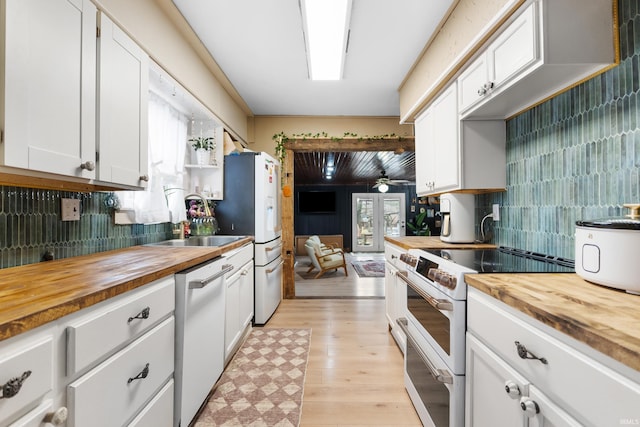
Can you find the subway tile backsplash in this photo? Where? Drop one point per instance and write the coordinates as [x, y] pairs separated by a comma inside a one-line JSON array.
[[576, 156], [31, 225]]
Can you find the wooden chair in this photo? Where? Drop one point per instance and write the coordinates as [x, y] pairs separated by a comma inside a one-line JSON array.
[[324, 259], [324, 247]]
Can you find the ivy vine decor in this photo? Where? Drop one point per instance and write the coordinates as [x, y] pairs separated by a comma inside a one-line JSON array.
[[281, 139]]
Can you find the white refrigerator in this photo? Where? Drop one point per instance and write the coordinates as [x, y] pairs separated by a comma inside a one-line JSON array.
[[251, 207]]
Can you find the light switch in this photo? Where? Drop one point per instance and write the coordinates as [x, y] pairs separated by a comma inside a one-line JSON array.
[[70, 209]]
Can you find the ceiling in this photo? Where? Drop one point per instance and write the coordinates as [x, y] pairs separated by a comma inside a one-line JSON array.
[[354, 167], [259, 45]]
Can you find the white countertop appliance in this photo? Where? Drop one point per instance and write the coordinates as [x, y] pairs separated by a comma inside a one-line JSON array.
[[458, 217], [251, 206], [435, 323], [605, 250]]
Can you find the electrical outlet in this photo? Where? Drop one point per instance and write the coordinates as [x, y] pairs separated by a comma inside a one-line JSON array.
[[496, 212], [70, 209]]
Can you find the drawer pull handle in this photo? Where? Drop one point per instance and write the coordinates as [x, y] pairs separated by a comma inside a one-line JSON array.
[[13, 386], [144, 314], [143, 374], [526, 354]]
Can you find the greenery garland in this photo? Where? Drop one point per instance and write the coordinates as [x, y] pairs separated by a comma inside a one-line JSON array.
[[281, 139]]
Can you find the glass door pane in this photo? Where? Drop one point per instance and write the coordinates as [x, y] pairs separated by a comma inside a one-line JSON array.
[[376, 215]]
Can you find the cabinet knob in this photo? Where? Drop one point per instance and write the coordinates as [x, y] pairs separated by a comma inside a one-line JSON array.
[[530, 407], [482, 91], [88, 165], [512, 389], [58, 417], [144, 178]]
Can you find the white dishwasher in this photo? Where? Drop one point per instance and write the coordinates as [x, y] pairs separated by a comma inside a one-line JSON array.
[[199, 356]]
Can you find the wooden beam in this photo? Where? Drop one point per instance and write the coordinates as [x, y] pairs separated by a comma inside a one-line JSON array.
[[405, 143], [288, 252]]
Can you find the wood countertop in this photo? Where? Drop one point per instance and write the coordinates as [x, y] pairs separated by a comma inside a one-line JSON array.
[[605, 319], [35, 294], [433, 242]]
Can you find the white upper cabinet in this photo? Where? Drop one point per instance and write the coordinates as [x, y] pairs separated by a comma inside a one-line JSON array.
[[123, 85], [437, 150], [48, 108], [454, 154], [541, 51]]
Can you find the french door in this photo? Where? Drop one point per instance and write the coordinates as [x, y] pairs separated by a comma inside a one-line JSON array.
[[375, 215]]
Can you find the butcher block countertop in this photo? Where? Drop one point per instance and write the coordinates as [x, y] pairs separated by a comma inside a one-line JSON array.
[[605, 319], [35, 294], [433, 242]]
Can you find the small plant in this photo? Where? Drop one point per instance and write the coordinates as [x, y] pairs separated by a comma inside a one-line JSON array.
[[203, 143], [418, 224]]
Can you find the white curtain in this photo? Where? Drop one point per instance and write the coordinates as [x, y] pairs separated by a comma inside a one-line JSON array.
[[163, 200]]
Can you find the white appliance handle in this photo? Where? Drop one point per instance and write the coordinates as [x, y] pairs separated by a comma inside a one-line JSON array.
[[271, 270], [199, 284]]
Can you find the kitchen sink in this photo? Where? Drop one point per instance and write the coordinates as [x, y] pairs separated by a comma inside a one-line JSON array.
[[199, 241]]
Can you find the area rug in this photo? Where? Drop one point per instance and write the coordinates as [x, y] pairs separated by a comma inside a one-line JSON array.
[[369, 268], [263, 383]]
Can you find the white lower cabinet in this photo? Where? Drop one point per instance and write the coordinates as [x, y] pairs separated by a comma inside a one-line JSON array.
[[158, 411], [515, 365], [238, 300], [26, 376], [395, 293], [493, 389], [113, 392]]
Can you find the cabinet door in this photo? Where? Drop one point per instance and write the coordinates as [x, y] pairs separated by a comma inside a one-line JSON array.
[[445, 142], [246, 295], [390, 293], [425, 173], [493, 389], [49, 86], [542, 412], [515, 49], [123, 83], [232, 313], [471, 83]]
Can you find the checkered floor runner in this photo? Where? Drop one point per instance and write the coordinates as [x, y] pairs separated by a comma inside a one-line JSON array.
[[263, 384]]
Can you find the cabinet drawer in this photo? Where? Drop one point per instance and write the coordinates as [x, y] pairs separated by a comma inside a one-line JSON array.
[[105, 329], [34, 360], [112, 381], [392, 255], [241, 256], [570, 378], [158, 412]]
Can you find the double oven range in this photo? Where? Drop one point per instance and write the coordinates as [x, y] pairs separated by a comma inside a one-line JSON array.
[[435, 323]]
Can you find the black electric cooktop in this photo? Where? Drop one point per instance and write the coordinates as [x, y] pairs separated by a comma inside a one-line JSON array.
[[506, 260]]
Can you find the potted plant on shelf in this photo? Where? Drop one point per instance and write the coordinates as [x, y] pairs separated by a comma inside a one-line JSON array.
[[203, 146]]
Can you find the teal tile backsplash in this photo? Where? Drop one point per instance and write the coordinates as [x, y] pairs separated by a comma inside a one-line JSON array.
[[30, 225], [576, 156]]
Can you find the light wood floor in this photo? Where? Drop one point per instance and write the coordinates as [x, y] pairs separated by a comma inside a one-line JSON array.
[[355, 371], [334, 284]]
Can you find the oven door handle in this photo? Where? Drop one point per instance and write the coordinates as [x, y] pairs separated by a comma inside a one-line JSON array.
[[440, 304], [439, 375]]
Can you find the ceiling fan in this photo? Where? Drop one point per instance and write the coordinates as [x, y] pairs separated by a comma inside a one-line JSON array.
[[383, 182]]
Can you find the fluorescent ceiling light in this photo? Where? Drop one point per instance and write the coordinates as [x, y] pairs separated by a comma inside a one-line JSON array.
[[326, 23]]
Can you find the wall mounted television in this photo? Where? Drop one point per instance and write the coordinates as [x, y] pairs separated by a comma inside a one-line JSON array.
[[317, 202]]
